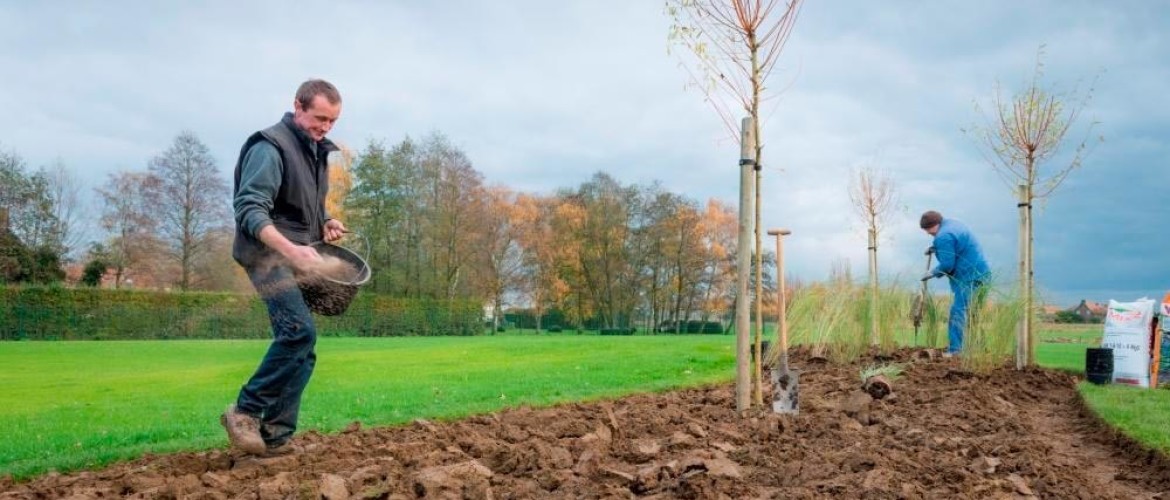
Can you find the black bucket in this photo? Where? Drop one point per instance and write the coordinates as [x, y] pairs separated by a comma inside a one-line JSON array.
[[331, 295], [1099, 365], [764, 346]]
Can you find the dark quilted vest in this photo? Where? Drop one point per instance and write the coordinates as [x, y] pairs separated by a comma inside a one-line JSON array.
[[298, 210]]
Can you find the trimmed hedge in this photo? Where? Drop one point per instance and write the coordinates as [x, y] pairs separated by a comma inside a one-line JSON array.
[[617, 331], [56, 313], [690, 326]]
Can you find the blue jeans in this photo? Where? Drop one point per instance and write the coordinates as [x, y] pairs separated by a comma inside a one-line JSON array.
[[273, 394], [965, 292]]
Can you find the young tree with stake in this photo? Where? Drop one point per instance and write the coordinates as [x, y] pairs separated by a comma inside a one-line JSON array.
[[735, 45], [873, 195], [1025, 132]]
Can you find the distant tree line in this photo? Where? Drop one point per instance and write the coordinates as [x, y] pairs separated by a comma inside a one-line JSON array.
[[601, 254]]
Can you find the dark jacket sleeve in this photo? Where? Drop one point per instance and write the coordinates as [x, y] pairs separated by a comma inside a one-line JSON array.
[[260, 179]]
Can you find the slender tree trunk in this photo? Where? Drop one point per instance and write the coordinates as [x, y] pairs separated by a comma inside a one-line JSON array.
[[758, 373], [873, 287], [1029, 283], [1022, 334], [755, 111]]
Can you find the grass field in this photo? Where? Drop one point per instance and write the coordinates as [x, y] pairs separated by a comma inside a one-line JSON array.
[[71, 405]]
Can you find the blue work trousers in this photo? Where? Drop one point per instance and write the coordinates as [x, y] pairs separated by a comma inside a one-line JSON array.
[[273, 394], [965, 292]]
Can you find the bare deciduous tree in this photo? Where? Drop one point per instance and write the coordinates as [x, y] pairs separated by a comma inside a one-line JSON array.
[[65, 191], [873, 194], [128, 214], [735, 45], [191, 196], [1026, 131]]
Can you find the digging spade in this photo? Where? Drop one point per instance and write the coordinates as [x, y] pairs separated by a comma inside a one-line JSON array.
[[920, 300], [785, 380]]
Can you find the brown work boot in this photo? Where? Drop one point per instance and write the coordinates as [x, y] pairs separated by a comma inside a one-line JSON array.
[[286, 448], [243, 431]]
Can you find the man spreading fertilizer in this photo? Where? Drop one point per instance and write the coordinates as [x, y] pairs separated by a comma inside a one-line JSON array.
[[961, 259], [281, 181]]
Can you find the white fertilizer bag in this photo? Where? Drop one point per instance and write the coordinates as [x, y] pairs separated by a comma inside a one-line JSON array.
[[1127, 332]]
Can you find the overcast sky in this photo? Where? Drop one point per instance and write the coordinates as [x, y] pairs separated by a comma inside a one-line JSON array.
[[541, 95]]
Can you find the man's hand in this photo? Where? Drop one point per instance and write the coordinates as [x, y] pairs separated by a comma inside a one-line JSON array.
[[303, 257], [334, 230], [927, 276]]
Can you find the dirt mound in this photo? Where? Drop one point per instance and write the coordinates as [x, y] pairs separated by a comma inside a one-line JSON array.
[[943, 433]]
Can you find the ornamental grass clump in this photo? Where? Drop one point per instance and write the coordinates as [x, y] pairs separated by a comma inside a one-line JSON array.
[[878, 380], [823, 317], [990, 337], [890, 370], [893, 307]]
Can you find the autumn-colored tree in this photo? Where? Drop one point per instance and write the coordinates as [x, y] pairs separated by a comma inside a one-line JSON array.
[[190, 193], [1025, 132], [499, 253], [589, 253], [718, 227], [669, 250], [568, 254], [539, 279], [340, 181]]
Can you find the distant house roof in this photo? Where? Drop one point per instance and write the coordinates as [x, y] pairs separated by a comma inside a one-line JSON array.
[[1051, 309], [1095, 307]]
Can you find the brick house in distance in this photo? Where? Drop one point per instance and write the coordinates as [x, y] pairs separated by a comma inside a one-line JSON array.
[[1049, 312], [1089, 311]]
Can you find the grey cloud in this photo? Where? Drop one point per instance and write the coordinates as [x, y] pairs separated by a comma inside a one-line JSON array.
[[541, 95]]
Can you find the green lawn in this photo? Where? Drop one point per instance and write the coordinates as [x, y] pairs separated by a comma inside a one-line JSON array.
[[1140, 413], [71, 405]]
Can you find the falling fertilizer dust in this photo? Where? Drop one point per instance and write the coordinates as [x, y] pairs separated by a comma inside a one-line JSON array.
[[335, 268]]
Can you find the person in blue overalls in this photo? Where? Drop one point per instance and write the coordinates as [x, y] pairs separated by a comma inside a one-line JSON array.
[[960, 258]]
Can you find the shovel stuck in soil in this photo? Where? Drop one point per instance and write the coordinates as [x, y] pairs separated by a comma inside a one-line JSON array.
[[786, 391], [785, 380]]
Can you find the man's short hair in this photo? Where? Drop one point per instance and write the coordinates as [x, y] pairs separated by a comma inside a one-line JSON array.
[[315, 87], [930, 219]]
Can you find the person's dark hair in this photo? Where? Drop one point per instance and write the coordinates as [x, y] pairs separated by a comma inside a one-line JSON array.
[[930, 219], [312, 88]]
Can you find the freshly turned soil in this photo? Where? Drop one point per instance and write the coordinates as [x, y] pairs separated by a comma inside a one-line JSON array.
[[945, 433]]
